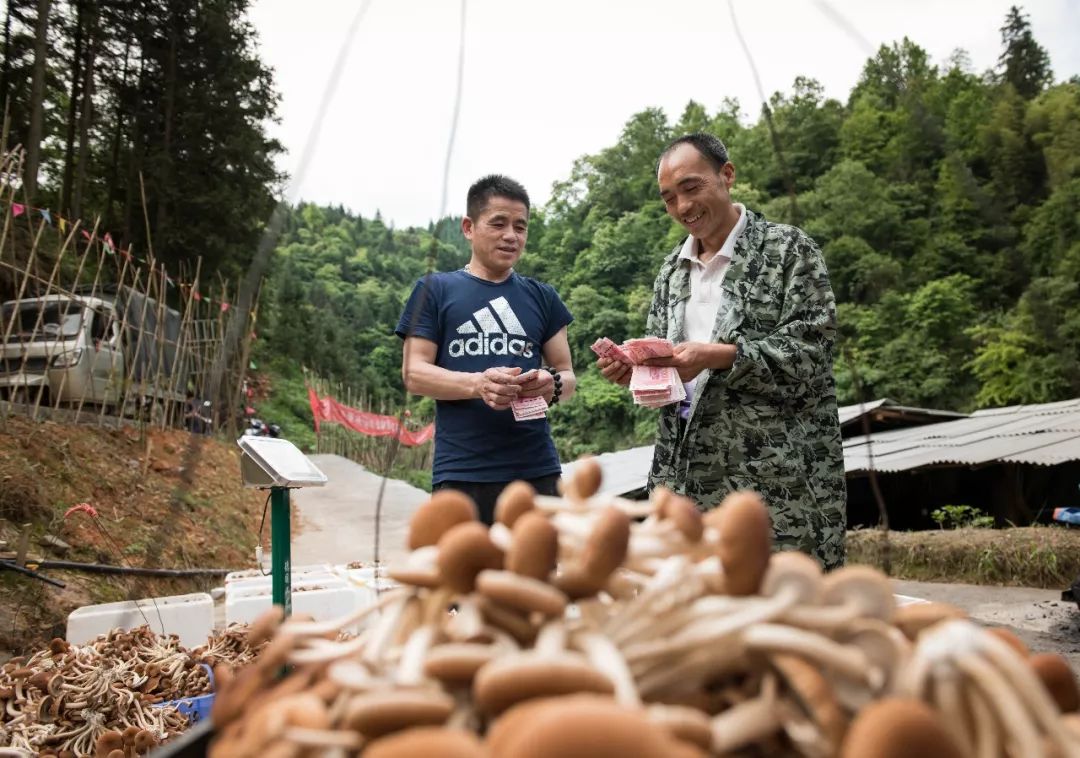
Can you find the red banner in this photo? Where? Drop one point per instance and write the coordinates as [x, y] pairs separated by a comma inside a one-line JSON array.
[[372, 424]]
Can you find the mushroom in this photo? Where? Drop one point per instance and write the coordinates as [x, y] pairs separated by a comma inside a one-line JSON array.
[[517, 499], [899, 728], [586, 479], [546, 670], [1058, 678], [374, 714], [522, 593], [422, 742], [534, 548], [914, 618], [604, 552], [438, 515], [806, 709], [581, 725], [745, 541], [851, 592], [464, 551]]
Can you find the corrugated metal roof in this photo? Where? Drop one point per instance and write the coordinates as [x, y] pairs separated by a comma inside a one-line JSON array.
[[849, 413], [1044, 435]]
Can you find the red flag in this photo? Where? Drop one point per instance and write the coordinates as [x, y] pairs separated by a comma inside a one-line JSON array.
[[17, 209], [108, 241], [224, 307], [197, 296], [85, 234]]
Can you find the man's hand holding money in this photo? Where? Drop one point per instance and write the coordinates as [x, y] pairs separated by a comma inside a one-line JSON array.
[[537, 383], [498, 386], [615, 370], [691, 358]]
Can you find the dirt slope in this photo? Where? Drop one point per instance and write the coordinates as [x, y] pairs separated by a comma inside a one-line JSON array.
[[129, 478]]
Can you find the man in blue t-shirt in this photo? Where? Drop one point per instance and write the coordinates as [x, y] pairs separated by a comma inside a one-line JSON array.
[[479, 338]]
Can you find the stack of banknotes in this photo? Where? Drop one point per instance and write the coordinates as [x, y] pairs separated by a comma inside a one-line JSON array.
[[652, 386], [529, 408]]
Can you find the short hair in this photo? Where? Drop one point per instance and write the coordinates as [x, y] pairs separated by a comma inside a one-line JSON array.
[[709, 145], [493, 185]]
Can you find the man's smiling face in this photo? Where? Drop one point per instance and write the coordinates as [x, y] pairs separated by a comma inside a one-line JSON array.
[[695, 194]]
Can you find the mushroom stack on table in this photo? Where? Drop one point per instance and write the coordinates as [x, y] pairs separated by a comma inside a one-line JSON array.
[[596, 626], [81, 700]]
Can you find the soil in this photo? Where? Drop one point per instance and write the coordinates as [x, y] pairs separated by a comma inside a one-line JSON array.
[[150, 512]]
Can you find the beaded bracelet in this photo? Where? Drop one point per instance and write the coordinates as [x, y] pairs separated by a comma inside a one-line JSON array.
[[558, 383]]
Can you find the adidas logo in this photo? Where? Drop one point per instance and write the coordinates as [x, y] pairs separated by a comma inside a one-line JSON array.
[[492, 338]]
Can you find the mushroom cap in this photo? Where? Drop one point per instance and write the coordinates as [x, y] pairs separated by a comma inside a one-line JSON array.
[[516, 624], [899, 728], [521, 592], [418, 569], [145, 740], [1058, 678], [428, 742], [582, 726], [812, 691], [745, 541], [605, 549], [576, 583], [129, 734], [514, 678], [534, 548], [464, 551], [374, 714], [914, 618], [517, 499], [684, 513], [586, 480], [109, 741], [443, 510], [116, 754], [458, 662], [863, 587], [306, 710], [265, 624], [796, 571]]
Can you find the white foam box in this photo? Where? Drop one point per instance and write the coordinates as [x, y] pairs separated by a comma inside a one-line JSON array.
[[190, 617], [323, 598], [257, 575]]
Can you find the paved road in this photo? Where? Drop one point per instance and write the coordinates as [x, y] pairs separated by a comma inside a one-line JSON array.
[[1039, 617], [337, 521]]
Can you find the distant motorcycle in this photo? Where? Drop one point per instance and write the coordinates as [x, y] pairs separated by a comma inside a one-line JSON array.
[[259, 428]]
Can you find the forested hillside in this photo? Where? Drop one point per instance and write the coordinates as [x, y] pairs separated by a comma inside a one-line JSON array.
[[148, 118], [947, 203]]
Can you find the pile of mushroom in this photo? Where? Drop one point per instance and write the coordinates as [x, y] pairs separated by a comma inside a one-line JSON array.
[[597, 626], [71, 700]]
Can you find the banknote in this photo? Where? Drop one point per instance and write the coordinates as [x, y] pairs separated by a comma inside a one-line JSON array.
[[529, 408], [605, 348], [641, 349]]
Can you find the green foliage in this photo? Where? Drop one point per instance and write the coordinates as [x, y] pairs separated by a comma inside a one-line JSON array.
[[960, 517]]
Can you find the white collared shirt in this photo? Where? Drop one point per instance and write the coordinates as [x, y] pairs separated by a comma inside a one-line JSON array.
[[706, 286]]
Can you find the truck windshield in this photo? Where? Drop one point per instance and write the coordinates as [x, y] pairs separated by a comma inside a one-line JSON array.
[[39, 321]]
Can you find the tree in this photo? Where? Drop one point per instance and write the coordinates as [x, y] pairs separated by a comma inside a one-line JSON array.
[[1024, 63]]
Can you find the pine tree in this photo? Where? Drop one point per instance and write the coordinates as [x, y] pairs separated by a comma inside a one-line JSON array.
[[1024, 63]]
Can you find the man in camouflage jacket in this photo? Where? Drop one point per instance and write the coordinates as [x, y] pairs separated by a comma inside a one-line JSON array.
[[763, 411]]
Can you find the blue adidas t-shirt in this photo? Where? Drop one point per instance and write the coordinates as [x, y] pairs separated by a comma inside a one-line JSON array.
[[478, 324]]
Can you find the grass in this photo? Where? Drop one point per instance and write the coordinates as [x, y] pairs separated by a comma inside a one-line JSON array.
[[1036, 556]]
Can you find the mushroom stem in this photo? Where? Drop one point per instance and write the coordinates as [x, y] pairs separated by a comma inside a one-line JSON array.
[[845, 660], [951, 703], [607, 659], [747, 722], [1009, 709], [387, 627], [410, 670], [987, 742]]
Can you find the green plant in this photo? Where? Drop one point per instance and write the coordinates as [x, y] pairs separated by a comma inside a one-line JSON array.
[[959, 516]]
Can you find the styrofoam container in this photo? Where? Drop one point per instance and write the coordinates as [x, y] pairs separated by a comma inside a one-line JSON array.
[[262, 587], [323, 604], [190, 617]]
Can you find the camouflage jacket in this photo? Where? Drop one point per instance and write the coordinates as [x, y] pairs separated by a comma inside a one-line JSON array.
[[769, 423]]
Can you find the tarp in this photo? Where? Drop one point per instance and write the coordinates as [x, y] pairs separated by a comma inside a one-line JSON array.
[[372, 424]]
